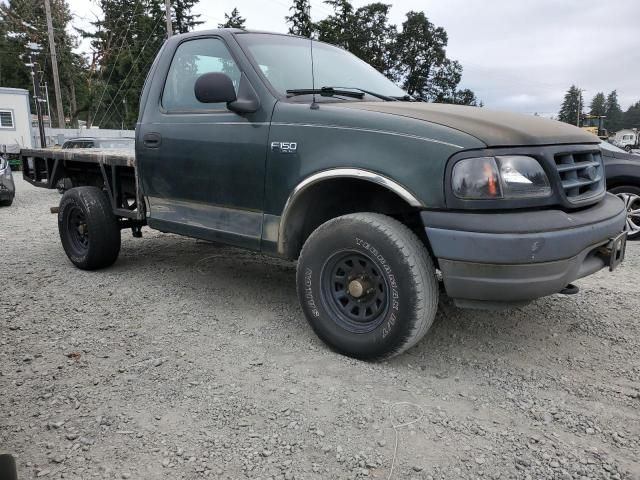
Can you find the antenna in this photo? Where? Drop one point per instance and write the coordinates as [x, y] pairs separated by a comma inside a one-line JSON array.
[[314, 105]]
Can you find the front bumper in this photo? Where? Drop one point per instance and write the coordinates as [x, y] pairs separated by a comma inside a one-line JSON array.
[[520, 256]]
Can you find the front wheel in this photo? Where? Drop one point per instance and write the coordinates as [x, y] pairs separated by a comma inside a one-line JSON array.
[[367, 285], [89, 231], [630, 195]]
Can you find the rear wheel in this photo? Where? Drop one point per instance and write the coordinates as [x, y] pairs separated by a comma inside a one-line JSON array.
[[367, 285], [89, 231], [630, 195], [6, 203]]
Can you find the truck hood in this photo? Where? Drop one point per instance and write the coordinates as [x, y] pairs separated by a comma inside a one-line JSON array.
[[495, 129]]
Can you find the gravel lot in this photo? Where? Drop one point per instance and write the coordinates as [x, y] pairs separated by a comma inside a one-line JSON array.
[[190, 360]]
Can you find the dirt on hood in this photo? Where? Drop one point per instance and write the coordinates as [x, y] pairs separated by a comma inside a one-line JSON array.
[[495, 129]]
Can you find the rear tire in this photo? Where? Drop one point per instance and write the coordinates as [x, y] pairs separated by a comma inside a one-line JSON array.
[[630, 195], [6, 203], [89, 231], [367, 285]]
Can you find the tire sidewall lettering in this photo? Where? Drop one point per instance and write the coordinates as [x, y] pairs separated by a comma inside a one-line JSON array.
[[308, 292], [388, 325]]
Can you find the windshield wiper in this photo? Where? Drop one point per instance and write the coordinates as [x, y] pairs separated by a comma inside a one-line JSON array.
[[386, 98], [324, 92]]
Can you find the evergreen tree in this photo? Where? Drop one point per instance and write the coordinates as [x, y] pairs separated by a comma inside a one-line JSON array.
[[183, 20], [300, 20], [573, 102], [125, 42], [598, 105], [337, 29], [613, 112], [373, 38], [631, 118], [415, 57], [422, 64], [233, 21]]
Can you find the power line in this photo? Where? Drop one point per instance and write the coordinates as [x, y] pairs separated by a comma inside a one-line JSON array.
[[133, 82], [153, 31], [115, 63]]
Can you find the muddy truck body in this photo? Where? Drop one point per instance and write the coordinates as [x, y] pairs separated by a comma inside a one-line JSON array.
[[378, 196]]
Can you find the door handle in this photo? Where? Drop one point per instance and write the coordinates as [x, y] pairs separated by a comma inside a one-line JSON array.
[[151, 140]]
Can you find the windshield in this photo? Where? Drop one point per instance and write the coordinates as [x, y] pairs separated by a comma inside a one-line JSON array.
[[286, 63]]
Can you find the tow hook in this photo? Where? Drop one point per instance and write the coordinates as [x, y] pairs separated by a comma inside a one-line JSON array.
[[570, 289]]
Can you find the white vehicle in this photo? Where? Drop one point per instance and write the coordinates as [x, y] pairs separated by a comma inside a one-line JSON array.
[[627, 139]]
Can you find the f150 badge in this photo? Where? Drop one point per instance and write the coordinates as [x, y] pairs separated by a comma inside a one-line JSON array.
[[284, 147]]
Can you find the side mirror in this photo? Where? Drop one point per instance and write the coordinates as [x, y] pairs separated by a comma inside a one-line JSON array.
[[214, 88], [218, 88]]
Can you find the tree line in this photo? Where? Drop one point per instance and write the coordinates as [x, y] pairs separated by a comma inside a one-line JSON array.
[[600, 105], [103, 88]]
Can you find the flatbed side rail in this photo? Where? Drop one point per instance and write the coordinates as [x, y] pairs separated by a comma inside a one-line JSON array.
[[45, 167]]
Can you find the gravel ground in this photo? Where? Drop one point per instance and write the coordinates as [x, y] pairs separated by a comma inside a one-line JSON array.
[[190, 360]]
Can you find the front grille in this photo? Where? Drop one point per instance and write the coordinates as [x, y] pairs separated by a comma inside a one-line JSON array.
[[581, 174]]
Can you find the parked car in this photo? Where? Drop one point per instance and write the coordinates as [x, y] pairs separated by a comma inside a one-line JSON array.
[[622, 170], [88, 142], [240, 141], [7, 187]]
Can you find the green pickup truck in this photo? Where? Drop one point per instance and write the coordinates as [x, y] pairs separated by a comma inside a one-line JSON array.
[[299, 149]]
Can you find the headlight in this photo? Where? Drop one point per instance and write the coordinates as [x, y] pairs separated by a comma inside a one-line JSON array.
[[486, 178]]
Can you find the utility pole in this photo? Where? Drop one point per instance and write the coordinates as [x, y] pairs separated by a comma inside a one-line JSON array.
[[54, 65], [167, 12], [580, 91], [579, 109]]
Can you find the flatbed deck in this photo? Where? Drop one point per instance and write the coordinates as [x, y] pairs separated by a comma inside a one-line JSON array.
[[118, 157], [111, 169]]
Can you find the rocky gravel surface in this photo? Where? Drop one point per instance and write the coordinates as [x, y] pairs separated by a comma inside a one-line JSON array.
[[188, 360]]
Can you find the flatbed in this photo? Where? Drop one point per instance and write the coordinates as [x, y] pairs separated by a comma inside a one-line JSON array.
[[44, 167]]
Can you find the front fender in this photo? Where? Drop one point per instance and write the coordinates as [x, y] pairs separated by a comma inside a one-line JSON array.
[[412, 153]]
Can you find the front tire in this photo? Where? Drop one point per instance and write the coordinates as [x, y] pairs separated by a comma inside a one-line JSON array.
[[367, 285], [89, 231]]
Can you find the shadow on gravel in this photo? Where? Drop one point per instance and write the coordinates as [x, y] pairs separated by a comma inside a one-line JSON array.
[[188, 263]]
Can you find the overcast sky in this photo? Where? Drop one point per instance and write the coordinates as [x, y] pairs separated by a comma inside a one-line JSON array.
[[519, 55]]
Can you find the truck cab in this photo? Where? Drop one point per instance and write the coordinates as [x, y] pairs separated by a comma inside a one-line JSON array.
[[299, 149]]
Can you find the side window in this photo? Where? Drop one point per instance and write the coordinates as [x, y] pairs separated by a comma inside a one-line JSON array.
[[6, 119], [192, 59]]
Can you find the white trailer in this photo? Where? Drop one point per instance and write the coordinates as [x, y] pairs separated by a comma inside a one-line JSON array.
[[627, 139], [15, 120]]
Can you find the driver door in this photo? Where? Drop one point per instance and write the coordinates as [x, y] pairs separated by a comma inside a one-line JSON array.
[[203, 166]]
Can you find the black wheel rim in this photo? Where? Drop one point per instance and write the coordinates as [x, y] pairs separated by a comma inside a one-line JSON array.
[[77, 230], [355, 291]]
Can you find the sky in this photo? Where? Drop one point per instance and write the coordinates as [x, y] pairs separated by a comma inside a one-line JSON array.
[[517, 55]]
